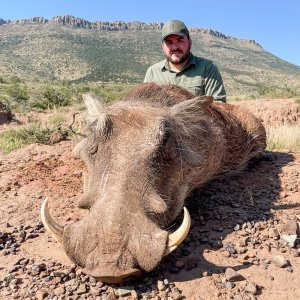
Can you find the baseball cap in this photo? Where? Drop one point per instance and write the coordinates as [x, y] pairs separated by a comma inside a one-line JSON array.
[[174, 27]]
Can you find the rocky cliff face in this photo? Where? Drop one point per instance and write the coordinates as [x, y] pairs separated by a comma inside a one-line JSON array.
[[118, 25], [34, 20], [78, 22], [219, 34], [113, 26]]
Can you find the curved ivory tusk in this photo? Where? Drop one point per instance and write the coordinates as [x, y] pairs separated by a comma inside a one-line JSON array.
[[50, 225], [177, 237]]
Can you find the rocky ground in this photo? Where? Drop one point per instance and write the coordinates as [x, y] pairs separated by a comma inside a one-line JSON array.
[[244, 242]]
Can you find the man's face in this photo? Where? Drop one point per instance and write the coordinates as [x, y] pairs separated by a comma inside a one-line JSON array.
[[176, 48]]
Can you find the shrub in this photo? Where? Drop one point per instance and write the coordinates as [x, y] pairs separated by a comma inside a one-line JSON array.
[[50, 98], [15, 79], [110, 93], [36, 132], [17, 138], [2, 80], [5, 108], [277, 92], [17, 91]]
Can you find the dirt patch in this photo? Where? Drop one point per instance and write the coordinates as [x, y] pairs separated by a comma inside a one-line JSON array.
[[244, 224], [274, 112]]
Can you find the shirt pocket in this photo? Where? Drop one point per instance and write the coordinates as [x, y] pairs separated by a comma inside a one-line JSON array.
[[195, 85]]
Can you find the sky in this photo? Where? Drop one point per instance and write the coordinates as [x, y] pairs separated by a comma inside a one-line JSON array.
[[275, 25]]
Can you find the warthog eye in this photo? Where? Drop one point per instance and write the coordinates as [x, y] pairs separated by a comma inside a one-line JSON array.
[[92, 145], [166, 135], [93, 149]]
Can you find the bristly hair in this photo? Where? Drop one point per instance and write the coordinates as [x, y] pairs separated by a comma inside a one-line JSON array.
[[158, 95]]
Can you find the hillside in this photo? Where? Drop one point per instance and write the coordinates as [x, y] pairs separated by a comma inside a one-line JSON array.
[[76, 50]]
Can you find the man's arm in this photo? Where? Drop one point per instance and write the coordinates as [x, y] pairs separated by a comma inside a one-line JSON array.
[[214, 85], [148, 76]]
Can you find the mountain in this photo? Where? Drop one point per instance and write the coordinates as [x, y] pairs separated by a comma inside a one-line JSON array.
[[76, 50]]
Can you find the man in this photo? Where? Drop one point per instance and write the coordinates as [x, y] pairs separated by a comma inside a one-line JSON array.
[[196, 74]]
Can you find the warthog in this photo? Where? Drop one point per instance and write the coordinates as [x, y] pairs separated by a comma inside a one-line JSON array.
[[144, 156]]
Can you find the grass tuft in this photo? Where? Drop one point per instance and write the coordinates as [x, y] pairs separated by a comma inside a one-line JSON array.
[[284, 137], [14, 139]]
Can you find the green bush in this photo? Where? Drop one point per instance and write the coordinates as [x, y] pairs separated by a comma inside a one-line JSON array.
[[111, 92], [15, 79], [2, 80], [278, 92], [50, 98], [17, 91], [5, 106], [35, 132], [13, 139]]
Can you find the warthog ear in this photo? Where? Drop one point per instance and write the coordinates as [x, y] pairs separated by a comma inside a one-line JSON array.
[[95, 107], [190, 127], [97, 117]]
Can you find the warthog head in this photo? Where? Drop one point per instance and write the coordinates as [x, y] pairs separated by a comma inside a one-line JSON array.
[[143, 155]]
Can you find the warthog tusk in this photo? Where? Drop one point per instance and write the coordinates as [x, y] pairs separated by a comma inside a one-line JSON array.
[[177, 237], [52, 227]]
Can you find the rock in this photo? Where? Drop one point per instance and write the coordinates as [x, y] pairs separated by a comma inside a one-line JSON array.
[[179, 264], [237, 227], [59, 291], [273, 233], [233, 276], [251, 288], [230, 249], [160, 285], [58, 273], [41, 294], [295, 252], [289, 228], [279, 261], [57, 137], [229, 285], [174, 295], [134, 295], [289, 269], [125, 291], [81, 289], [289, 240], [111, 295]]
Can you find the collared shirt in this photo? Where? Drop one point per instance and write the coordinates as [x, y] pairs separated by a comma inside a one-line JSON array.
[[200, 77]]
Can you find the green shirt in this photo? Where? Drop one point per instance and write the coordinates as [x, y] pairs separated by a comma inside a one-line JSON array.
[[200, 77]]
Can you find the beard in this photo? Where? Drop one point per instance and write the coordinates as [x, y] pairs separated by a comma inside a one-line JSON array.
[[176, 60]]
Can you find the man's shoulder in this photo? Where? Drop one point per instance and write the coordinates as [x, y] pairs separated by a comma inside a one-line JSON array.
[[201, 60], [158, 66], [154, 72], [205, 64]]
